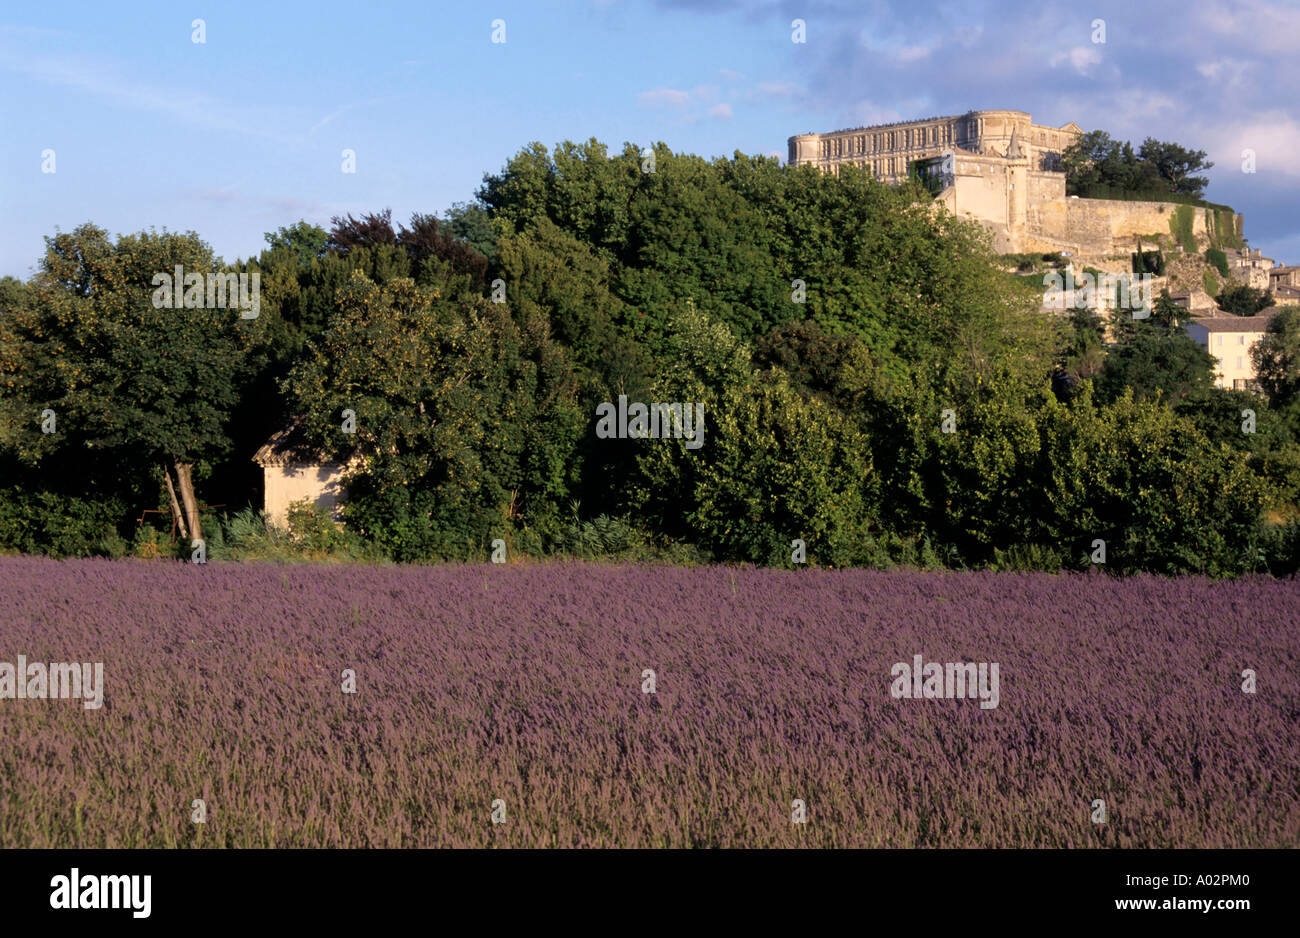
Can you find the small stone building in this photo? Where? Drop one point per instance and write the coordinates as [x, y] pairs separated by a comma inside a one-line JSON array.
[[293, 470], [1196, 302]]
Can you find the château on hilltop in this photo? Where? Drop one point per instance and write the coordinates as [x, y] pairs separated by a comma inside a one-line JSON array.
[[1003, 170]]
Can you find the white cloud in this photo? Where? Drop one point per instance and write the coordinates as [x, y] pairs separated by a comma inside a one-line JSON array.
[[1258, 25], [663, 97], [1275, 138], [891, 49], [868, 113], [777, 89], [703, 96], [1229, 74], [1080, 58], [914, 53]]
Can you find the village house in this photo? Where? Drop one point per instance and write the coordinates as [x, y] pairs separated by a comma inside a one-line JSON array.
[[1286, 296], [1230, 340], [1284, 277], [1250, 267]]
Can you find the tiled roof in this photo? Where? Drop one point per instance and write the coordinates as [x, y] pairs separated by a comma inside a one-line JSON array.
[[289, 447], [1257, 323]]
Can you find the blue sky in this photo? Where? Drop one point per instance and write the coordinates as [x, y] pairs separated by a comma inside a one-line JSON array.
[[243, 133]]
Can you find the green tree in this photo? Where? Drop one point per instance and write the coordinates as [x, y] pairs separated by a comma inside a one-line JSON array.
[[1167, 314], [551, 273], [1175, 165], [773, 466], [1243, 300], [1156, 364], [1082, 354], [14, 295], [1097, 162], [305, 241], [837, 369], [471, 222], [151, 386], [1089, 160], [465, 418], [1277, 358]]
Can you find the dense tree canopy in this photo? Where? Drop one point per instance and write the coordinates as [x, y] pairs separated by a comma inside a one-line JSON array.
[[874, 389]]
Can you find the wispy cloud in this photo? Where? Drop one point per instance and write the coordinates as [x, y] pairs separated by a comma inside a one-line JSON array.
[[689, 102], [101, 80], [664, 97], [777, 89], [1080, 58], [333, 115]]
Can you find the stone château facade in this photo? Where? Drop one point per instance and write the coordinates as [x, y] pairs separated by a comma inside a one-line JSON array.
[[886, 150]]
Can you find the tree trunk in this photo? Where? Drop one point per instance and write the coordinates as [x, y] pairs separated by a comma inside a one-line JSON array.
[[176, 507], [191, 504]]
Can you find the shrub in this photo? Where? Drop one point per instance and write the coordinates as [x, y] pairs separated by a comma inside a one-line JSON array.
[[149, 544], [46, 522], [1280, 547], [1023, 557], [1218, 259]]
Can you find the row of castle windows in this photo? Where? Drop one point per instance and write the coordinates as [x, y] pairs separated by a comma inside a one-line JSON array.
[[886, 140], [881, 168], [894, 139]]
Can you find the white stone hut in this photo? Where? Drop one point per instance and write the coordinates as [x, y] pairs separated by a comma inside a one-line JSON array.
[[293, 471]]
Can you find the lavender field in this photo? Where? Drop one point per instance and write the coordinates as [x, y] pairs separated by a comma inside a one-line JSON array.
[[524, 686]]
